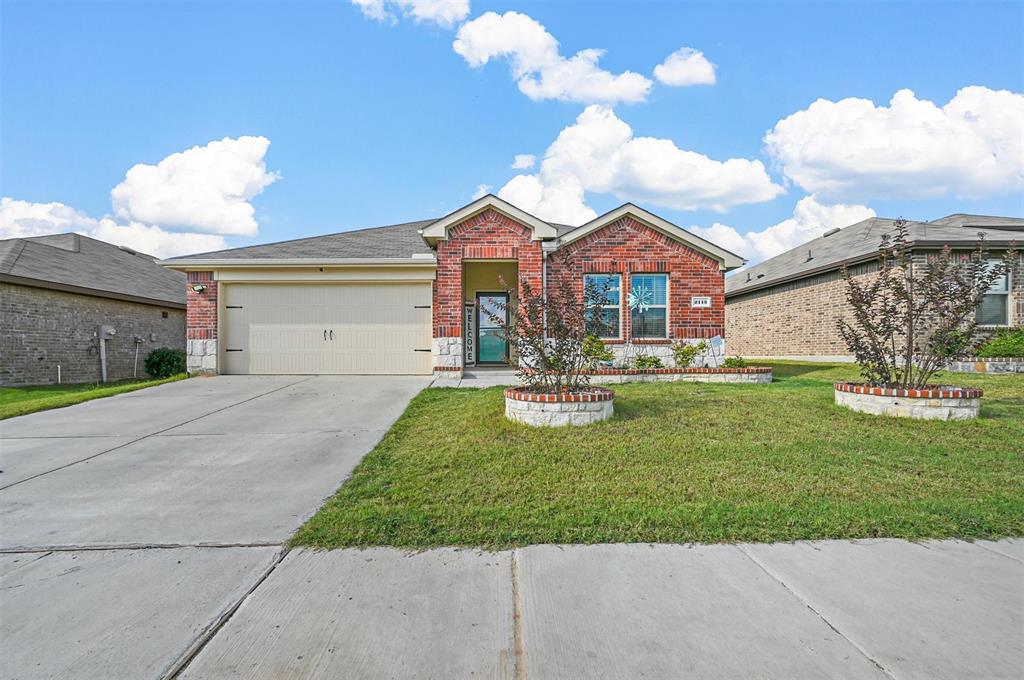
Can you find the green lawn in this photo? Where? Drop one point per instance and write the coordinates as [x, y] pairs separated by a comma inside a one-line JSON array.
[[685, 463], [17, 401]]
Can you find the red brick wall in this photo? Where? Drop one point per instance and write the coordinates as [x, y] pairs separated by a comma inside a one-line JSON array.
[[201, 318], [487, 236], [627, 246]]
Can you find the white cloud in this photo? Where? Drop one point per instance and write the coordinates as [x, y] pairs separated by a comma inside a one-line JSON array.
[[159, 209], [685, 66], [482, 190], [810, 220], [524, 161], [206, 188], [971, 147], [537, 66], [598, 153], [446, 13], [23, 219]]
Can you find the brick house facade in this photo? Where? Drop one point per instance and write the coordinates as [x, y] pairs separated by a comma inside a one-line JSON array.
[[461, 256]]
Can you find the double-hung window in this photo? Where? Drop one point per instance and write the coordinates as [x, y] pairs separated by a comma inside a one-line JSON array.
[[648, 304], [604, 290], [994, 309]]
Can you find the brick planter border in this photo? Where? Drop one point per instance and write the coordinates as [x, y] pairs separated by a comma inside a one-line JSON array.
[[547, 409], [936, 402]]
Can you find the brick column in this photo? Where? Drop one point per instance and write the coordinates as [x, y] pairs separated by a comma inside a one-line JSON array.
[[201, 324]]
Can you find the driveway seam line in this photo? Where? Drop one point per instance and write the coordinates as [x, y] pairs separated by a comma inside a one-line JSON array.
[[200, 641], [821, 616], [28, 549], [152, 434], [998, 552], [519, 663]]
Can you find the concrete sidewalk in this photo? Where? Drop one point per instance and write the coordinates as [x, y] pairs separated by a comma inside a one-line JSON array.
[[831, 609]]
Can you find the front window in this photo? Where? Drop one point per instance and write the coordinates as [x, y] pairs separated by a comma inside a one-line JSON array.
[[648, 304], [994, 307], [607, 288]]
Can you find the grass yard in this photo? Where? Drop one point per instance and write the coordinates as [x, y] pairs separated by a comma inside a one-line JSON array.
[[17, 401], [683, 463]]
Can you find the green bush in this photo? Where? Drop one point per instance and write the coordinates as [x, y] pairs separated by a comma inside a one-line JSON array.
[[163, 362], [1006, 343], [647, 361], [734, 362], [684, 353], [596, 351]]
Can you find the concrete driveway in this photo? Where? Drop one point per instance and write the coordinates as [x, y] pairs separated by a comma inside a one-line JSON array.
[[131, 525]]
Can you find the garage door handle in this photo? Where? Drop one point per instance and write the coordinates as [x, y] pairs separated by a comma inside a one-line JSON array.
[[325, 334], [421, 350], [332, 334], [421, 307]]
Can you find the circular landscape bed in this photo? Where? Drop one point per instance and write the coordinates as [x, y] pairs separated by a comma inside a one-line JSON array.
[[547, 409], [936, 402]]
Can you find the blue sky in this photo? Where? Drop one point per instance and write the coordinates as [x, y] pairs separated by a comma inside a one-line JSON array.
[[375, 121]]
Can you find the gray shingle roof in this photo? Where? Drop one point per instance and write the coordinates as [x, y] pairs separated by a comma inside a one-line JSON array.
[[83, 263], [861, 240], [396, 240]]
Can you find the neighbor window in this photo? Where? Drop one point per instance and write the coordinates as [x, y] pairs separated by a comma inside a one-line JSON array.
[[608, 289], [994, 307], [648, 304]]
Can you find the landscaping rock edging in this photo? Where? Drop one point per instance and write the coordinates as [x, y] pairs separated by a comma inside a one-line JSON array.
[[539, 409], [987, 365], [934, 403], [751, 374]]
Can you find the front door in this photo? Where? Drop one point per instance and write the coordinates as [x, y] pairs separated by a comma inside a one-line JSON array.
[[492, 317]]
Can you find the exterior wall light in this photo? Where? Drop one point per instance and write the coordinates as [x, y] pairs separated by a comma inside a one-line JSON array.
[[198, 288]]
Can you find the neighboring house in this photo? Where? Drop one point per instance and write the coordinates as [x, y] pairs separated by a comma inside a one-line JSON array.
[[788, 306], [418, 298], [57, 291]]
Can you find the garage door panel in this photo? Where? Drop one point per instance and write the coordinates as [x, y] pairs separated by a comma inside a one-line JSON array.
[[370, 328]]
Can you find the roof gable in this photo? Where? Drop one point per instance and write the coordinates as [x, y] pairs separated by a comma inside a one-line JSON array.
[[438, 230], [728, 260]]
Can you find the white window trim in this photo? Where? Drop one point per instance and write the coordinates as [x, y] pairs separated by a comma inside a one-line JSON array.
[[1007, 307], [668, 300], [618, 306]]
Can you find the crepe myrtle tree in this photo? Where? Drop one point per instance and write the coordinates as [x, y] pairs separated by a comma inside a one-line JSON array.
[[911, 319], [547, 333]]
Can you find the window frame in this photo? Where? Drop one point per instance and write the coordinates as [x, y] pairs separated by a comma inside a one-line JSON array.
[[618, 306], [1005, 294], [666, 306]]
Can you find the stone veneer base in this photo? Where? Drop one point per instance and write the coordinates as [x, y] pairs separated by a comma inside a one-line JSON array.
[[939, 403], [754, 374], [559, 410], [987, 365], [201, 357]]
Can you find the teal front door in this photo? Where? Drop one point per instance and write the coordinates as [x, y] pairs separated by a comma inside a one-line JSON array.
[[492, 316]]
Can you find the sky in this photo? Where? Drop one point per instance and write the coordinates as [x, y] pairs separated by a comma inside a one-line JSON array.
[[179, 127]]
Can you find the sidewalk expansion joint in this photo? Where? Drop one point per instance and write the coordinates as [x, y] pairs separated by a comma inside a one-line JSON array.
[[821, 616], [517, 620]]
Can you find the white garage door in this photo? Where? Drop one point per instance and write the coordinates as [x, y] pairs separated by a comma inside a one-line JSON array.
[[326, 328]]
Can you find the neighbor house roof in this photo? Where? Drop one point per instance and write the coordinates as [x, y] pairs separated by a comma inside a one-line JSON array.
[[859, 242], [79, 264]]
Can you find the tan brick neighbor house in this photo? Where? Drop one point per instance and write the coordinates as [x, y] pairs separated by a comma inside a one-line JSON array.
[[56, 292], [421, 297], [788, 305]]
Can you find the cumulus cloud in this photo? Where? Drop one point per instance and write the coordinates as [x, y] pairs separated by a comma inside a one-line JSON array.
[[186, 203], [446, 13], [19, 219], [810, 220], [599, 153], [537, 66], [685, 66], [205, 189], [524, 161], [482, 190], [912, 148]]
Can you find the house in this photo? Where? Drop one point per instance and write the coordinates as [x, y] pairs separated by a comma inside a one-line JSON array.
[[58, 291], [788, 305], [419, 297]]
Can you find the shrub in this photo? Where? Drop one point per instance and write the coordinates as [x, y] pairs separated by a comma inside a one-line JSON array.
[[596, 351], [684, 353], [1006, 343], [913, 317], [649, 361], [163, 362], [734, 362]]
